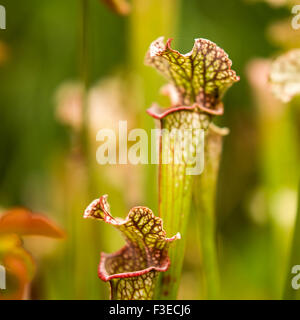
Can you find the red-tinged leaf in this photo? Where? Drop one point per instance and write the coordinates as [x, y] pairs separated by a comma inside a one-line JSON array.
[[200, 77], [23, 222], [133, 270]]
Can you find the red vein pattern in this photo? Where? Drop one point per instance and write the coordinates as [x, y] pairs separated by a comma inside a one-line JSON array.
[[197, 83], [133, 270], [200, 77]]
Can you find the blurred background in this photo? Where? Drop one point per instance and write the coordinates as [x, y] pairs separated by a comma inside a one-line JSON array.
[[69, 68]]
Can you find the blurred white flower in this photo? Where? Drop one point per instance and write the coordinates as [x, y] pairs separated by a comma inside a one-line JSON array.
[[258, 71], [283, 207], [106, 105], [285, 75], [69, 104]]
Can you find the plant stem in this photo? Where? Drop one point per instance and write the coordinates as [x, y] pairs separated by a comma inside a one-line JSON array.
[[86, 261], [289, 292], [148, 20], [204, 192], [84, 78], [175, 195]]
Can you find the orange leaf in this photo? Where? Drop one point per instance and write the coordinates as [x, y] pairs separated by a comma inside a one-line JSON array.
[[20, 269], [23, 222], [121, 7]]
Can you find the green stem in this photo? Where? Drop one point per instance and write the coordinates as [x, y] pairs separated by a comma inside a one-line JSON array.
[[204, 192], [289, 292], [84, 78]]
